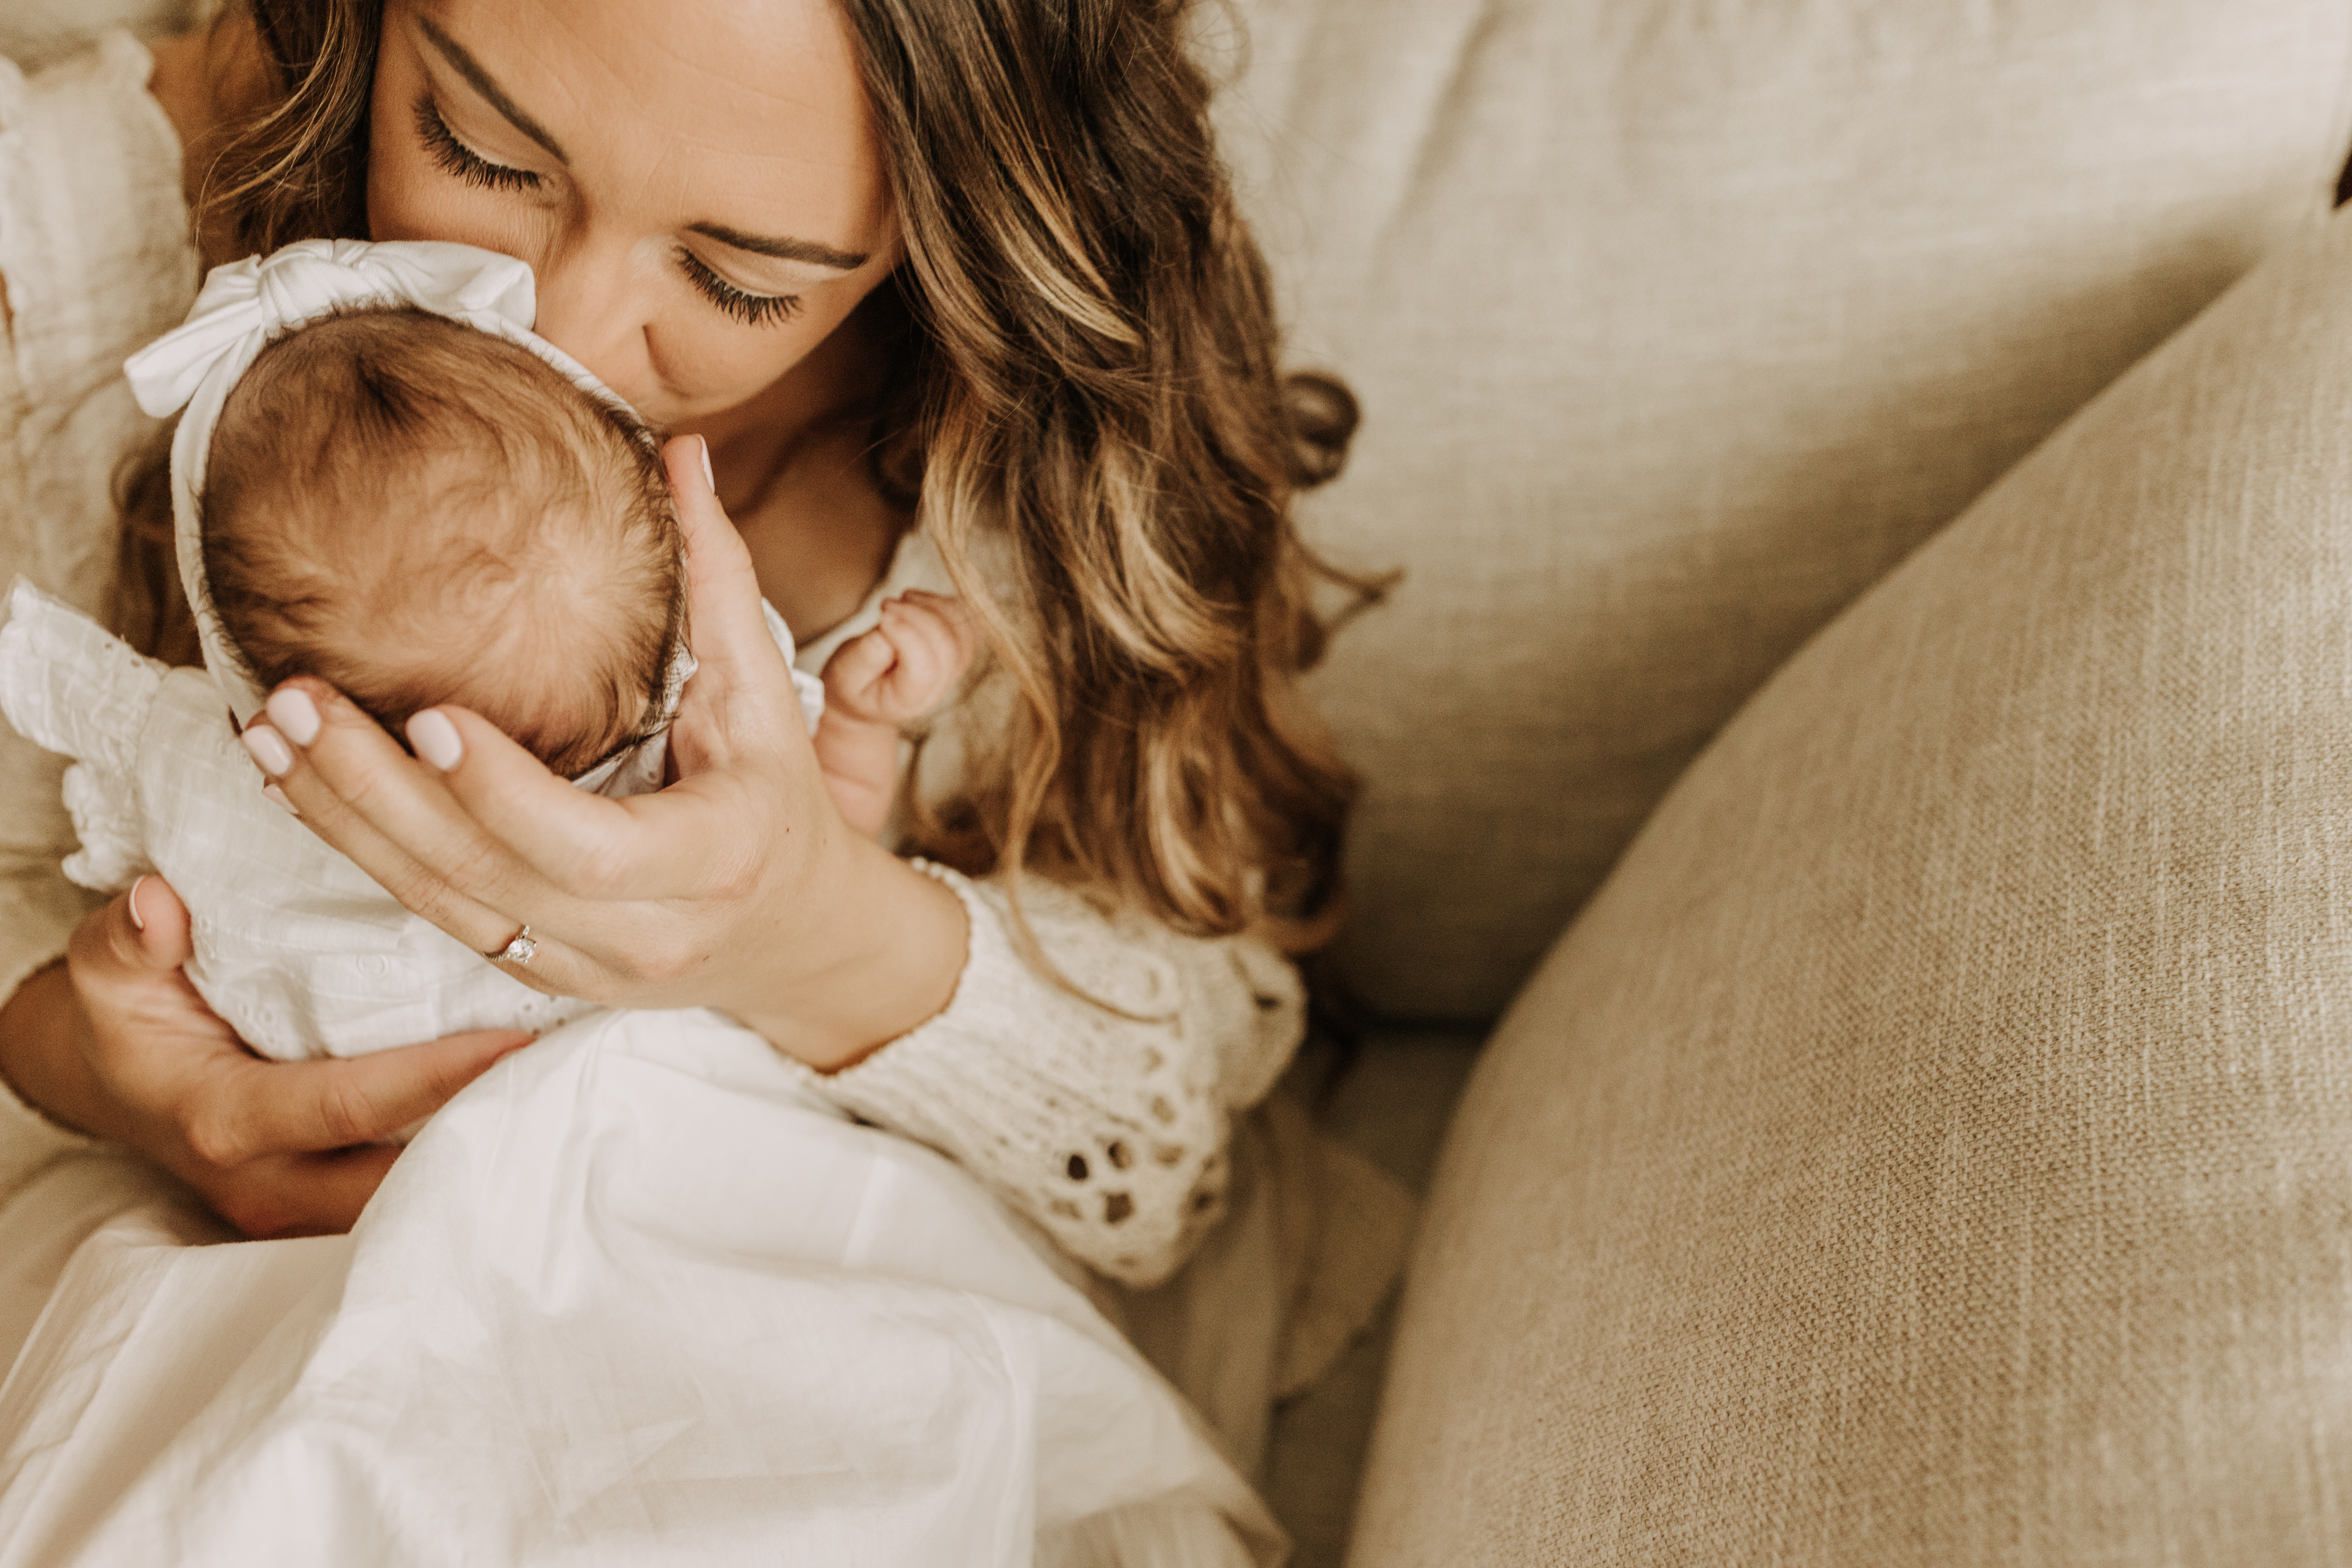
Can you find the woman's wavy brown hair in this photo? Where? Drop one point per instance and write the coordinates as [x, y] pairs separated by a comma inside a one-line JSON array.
[[1086, 394]]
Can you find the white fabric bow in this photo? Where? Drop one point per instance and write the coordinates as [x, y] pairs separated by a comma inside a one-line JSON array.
[[246, 305]]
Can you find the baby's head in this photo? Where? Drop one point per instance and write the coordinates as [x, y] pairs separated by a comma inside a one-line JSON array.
[[419, 513]]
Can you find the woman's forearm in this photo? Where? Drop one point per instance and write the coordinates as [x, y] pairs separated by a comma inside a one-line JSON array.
[[886, 959], [1100, 1112], [40, 1059]]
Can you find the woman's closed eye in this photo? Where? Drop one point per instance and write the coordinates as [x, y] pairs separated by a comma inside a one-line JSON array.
[[753, 309], [460, 162]]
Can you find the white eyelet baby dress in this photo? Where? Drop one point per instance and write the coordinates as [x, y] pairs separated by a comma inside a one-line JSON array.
[[296, 948]]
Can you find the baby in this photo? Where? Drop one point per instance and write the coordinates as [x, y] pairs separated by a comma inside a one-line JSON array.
[[383, 479], [417, 512]]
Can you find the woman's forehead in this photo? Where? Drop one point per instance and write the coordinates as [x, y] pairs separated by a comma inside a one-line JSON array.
[[754, 110]]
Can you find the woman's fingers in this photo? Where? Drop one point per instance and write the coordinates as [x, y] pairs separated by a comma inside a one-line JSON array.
[[147, 928], [400, 822], [250, 1109], [356, 789], [565, 834], [301, 1195], [725, 623], [130, 951], [252, 1136], [115, 1082], [582, 845]]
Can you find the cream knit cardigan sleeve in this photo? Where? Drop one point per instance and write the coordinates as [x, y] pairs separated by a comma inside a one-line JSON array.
[[1100, 1110], [1104, 1125]]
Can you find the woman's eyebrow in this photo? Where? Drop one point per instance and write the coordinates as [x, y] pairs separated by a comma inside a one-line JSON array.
[[807, 251], [482, 81]]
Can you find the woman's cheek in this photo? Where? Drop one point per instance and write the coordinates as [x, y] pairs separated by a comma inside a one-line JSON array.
[[719, 363]]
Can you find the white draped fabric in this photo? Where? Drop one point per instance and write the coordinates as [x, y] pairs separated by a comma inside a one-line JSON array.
[[631, 1297]]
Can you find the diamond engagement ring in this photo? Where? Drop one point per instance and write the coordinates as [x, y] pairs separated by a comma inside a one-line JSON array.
[[517, 950]]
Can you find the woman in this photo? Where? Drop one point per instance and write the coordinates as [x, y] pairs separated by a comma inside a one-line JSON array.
[[869, 260]]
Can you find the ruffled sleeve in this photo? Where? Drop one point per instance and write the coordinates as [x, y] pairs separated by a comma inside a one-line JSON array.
[[1102, 1111], [69, 686]]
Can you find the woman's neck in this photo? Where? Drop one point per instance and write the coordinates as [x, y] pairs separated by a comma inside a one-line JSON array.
[[795, 474], [755, 442]]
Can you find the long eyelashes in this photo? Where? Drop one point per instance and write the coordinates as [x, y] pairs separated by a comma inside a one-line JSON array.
[[456, 159], [460, 162], [752, 309]]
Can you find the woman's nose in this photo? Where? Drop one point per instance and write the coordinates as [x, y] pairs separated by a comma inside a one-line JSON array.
[[588, 307]]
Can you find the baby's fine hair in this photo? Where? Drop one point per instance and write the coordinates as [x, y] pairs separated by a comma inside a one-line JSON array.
[[419, 512]]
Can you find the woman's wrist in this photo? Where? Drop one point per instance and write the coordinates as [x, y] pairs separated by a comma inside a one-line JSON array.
[[891, 955]]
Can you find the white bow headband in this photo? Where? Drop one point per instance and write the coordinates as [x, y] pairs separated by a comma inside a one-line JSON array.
[[246, 305]]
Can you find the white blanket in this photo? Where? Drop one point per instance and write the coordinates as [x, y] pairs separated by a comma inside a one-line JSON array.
[[632, 1297]]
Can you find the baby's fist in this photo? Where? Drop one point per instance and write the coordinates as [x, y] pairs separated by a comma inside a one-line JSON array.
[[906, 665]]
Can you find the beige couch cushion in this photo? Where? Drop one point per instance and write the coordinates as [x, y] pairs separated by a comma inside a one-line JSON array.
[[1675, 325], [1934, 1145]]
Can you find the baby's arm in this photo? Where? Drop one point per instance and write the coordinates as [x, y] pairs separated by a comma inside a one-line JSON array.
[[878, 682]]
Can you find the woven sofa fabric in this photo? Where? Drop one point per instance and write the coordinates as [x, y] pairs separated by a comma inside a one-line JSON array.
[[1934, 1144], [1677, 323]]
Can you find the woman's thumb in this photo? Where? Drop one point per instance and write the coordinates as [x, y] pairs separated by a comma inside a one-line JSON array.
[[148, 925], [724, 620]]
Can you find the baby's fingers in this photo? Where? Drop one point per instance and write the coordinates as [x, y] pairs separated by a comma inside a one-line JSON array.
[[858, 664], [930, 655], [952, 616]]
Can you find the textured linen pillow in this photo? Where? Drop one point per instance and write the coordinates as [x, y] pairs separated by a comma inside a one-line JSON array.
[[1677, 324], [1934, 1144]]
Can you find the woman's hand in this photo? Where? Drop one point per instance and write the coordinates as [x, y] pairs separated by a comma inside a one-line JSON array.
[[738, 887], [117, 1042]]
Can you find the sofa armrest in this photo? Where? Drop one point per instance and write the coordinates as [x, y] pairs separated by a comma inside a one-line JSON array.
[[1934, 1145]]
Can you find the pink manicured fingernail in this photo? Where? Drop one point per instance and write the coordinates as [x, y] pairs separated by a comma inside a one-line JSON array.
[[269, 750], [436, 738], [293, 712], [707, 477], [136, 924], [277, 797]]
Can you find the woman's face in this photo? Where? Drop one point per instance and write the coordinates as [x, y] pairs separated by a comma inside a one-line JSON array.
[[696, 183]]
